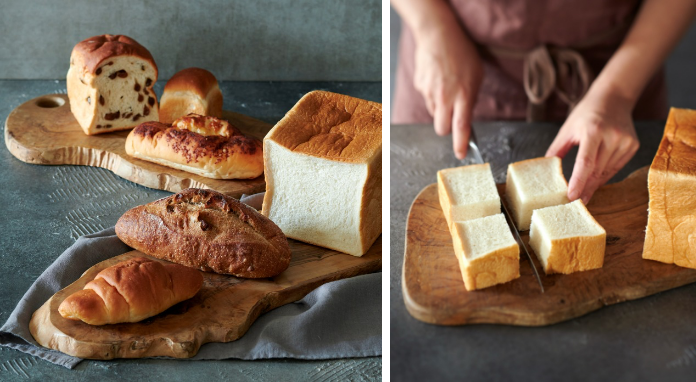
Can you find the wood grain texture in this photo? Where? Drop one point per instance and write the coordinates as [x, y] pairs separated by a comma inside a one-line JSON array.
[[44, 131], [434, 292], [222, 311]]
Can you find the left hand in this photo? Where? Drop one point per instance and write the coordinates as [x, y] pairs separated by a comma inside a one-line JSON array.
[[601, 124]]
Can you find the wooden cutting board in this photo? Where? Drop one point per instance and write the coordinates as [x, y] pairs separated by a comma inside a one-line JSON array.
[[434, 292], [44, 131], [222, 311]]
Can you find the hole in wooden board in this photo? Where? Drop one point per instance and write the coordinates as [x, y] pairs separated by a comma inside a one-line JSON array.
[[50, 102]]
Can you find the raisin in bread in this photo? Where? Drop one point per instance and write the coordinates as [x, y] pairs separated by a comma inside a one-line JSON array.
[[110, 84]]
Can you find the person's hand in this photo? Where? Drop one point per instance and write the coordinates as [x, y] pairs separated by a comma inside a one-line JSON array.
[[602, 126], [448, 73]]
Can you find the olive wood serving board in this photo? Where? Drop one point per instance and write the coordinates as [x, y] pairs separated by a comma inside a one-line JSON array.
[[434, 292], [222, 311], [44, 131]]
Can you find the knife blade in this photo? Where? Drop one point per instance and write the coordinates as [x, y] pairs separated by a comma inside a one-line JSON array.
[[476, 154]]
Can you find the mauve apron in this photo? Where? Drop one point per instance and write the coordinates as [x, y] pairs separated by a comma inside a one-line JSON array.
[[558, 45]]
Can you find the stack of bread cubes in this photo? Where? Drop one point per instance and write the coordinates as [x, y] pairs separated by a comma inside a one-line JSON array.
[[564, 236]]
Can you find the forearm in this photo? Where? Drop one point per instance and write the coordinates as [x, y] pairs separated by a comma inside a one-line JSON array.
[[656, 30]]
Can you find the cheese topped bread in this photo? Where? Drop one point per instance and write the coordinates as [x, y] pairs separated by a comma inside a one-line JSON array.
[[532, 184], [670, 235], [323, 167]]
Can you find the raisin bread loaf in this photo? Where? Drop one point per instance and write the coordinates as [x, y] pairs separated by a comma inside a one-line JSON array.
[[110, 84], [192, 90]]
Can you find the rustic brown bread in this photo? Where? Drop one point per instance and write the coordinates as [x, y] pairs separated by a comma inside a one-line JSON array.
[[669, 236], [192, 90], [131, 291], [207, 230]]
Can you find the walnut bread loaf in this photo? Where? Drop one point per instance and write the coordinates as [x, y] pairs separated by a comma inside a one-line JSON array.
[[202, 145], [110, 84], [131, 291], [192, 90], [207, 230], [670, 235], [323, 168]]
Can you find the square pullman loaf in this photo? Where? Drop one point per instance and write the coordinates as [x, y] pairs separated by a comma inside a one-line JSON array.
[[532, 184], [323, 168], [567, 238], [487, 252], [110, 84], [467, 192], [670, 234]]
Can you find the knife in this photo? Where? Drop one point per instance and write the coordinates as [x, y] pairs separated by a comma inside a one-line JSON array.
[[476, 154]]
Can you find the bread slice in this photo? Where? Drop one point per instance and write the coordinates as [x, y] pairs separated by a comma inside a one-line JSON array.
[[467, 192], [192, 90], [487, 252], [532, 184], [110, 84], [567, 239], [669, 236], [323, 167]]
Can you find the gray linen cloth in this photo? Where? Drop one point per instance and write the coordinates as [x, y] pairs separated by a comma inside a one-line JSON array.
[[337, 320]]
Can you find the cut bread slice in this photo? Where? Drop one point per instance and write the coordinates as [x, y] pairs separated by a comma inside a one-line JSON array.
[[487, 252], [532, 184], [467, 192], [567, 238], [669, 235]]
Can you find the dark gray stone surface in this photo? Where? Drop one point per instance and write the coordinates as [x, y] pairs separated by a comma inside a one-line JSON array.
[[302, 40], [642, 340], [44, 209]]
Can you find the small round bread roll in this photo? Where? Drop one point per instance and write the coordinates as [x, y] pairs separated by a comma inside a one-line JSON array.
[[206, 146], [192, 90]]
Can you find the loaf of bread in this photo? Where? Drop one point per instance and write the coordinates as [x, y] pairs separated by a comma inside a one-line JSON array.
[[566, 238], [110, 84], [487, 252], [670, 235], [191, 90], [532, 184], [323, 167], [467, 192], [207, 230], [131, 291], [206, 146]]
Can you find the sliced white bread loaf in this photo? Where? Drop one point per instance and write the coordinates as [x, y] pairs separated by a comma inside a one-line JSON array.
[[467, 192], [567, 239], [487, 252], [669, 236], [110, 84], [532, 184], [323, 167]]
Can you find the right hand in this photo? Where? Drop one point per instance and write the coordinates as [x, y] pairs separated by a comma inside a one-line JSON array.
[[448, 73]]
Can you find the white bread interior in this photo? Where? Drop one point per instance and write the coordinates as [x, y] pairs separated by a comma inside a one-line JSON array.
[[467, 192], [566, 238], [532, 184], [323, 167], [487, 252], [670, 233]]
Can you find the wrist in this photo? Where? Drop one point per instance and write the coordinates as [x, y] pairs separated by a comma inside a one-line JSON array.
[[611, 95]]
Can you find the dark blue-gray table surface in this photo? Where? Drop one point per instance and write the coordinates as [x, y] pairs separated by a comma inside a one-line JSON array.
[[45, 208], [651, 339]]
